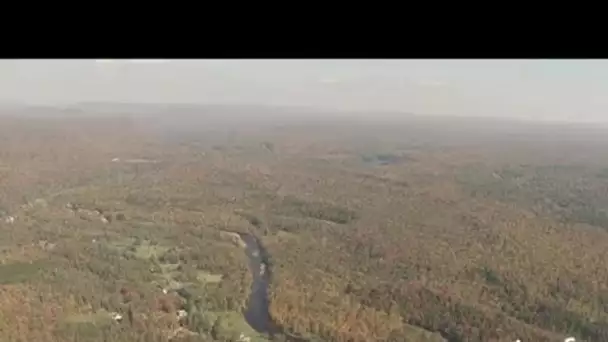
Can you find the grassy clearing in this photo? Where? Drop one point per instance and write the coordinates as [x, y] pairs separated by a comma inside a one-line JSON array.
[[21, 271], [208, 278], [231, 324], [147, 251], [169, 268]]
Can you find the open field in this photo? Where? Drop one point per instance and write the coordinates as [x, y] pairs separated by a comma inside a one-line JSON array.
[[417, 230]]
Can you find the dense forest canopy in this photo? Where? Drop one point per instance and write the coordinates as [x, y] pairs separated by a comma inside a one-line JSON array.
[[123, 228]]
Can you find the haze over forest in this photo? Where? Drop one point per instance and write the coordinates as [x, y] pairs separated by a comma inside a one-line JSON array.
[[282, 201], [554, 90]]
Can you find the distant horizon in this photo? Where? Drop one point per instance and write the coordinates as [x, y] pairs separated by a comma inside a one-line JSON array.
[[549, 90], [383, 115]]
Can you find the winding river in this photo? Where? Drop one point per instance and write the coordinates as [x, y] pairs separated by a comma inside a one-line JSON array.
[[257, 312]]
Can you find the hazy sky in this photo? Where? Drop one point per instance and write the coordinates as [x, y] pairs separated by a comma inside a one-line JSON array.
[[536, 89]]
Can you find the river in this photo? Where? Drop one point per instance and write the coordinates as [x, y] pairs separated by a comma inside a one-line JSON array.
[[257, 312]]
